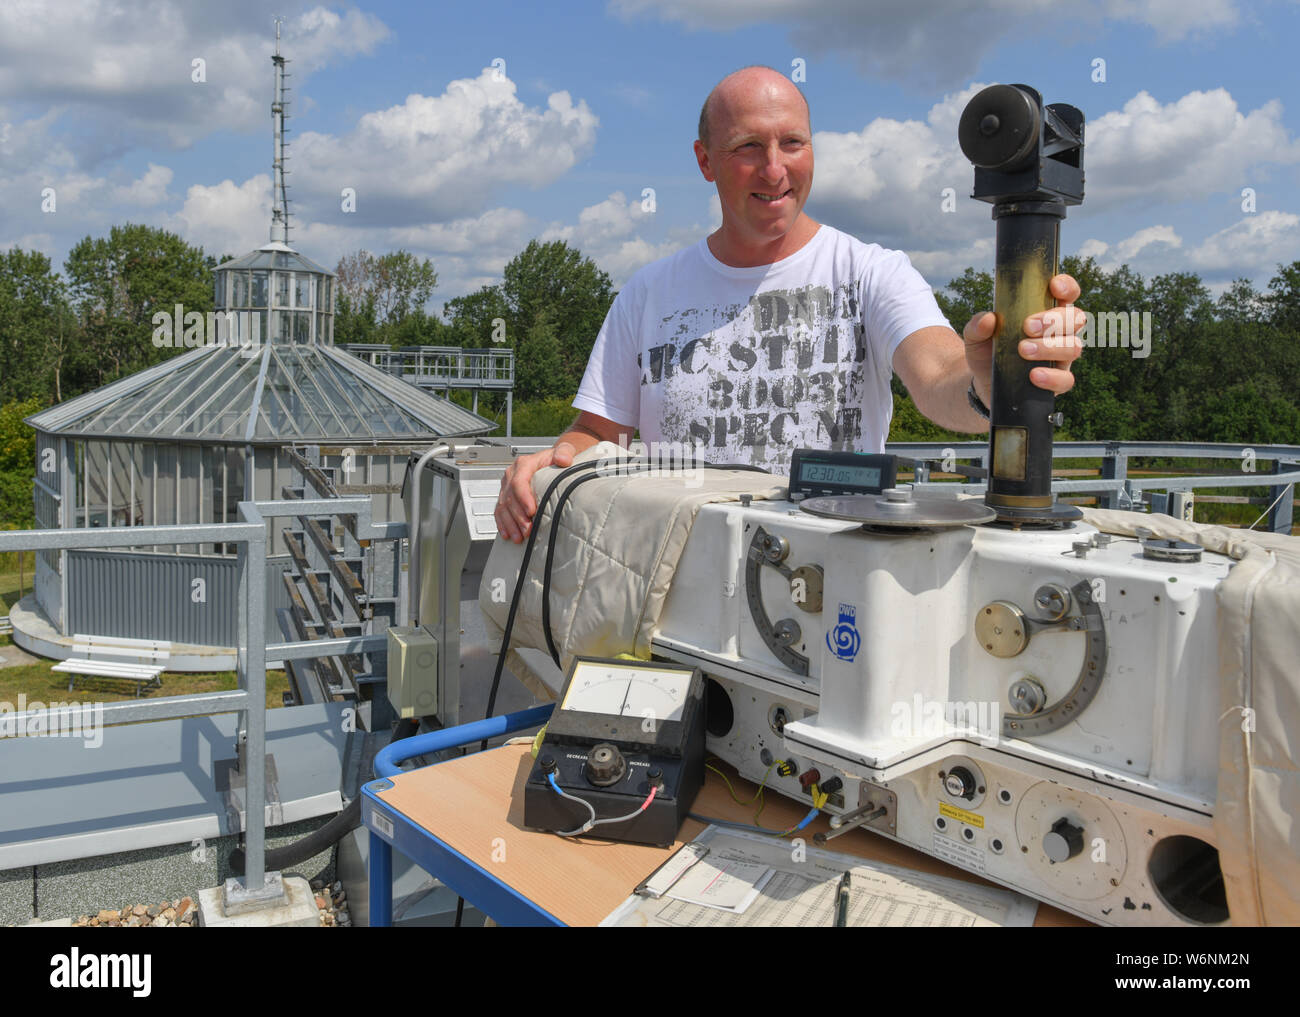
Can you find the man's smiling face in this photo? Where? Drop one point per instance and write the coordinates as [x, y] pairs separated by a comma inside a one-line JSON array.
[[759, 154]]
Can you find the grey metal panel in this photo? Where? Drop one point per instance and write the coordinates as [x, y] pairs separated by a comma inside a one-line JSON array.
[[48, 587], [161, 603], [151, 784]]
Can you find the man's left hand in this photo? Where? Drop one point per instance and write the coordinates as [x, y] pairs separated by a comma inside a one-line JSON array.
[[1050, 335]]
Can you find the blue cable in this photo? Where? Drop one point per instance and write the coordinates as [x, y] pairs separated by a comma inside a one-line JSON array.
[[812, 814]]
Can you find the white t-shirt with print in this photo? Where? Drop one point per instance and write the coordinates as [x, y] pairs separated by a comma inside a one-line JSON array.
[[752, 363]]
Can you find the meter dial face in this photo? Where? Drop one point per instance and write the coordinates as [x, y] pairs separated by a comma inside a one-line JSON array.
[[635, 690]]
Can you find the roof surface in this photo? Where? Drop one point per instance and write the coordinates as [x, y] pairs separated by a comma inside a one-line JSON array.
[[274, 255], [265, 394]]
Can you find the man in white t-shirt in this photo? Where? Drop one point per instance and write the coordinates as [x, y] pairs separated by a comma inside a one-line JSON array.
[[777, 332]]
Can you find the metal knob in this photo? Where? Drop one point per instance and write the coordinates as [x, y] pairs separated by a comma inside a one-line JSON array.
[[1063, 841], [960, 783], [605, 765]]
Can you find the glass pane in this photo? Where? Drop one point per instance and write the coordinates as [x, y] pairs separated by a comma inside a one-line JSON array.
[[283, 326], [125, 510], [302, 290], [239, 289], [328, 303], [143, 456], [218, 290], [302, 326], [165, 489], [281, 281], [258, 295], [322, 302]]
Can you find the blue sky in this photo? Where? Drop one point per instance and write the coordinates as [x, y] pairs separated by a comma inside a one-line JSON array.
[[598, 102]]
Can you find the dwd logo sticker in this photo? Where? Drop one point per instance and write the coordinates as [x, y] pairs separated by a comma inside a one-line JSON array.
[[843, 640]]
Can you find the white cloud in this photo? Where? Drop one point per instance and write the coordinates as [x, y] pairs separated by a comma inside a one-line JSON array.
[[434, 157], [940, 43], [136, 61], [885, 183], [149, 190], [905, 184], [1126, 251], [42, 242], [1255, 245], [225, 218], [1194, 146]]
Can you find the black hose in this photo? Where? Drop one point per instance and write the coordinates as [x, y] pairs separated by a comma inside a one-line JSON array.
[[519, 588], [625, 467], [326, 836]]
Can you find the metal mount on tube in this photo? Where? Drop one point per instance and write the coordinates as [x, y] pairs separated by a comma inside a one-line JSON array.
[[1028, 162]]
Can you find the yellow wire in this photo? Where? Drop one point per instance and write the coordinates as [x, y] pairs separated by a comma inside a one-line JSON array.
[[758, 795]]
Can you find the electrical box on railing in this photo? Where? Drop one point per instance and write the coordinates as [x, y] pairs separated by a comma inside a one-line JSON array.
[[412, 671]]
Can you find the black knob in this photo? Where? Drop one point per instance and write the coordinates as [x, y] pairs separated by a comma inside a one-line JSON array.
[[1063, 841], [605, 765], [547, 763], [655, 777], [960, 783]]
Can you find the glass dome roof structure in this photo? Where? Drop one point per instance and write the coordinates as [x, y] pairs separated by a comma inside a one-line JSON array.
[[263, 395], [275, 255]]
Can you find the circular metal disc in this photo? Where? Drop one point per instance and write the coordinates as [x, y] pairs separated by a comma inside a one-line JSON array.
[[1001, 629], [999, 128], [917, 513], [1170, 550]]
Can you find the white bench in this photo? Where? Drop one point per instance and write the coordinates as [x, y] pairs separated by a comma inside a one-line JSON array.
[[139, 660]]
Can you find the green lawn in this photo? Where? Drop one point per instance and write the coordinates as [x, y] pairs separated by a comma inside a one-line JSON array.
[[9, 586], [39, 682]]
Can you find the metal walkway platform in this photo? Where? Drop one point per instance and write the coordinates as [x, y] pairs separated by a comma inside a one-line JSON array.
[[161, 783]]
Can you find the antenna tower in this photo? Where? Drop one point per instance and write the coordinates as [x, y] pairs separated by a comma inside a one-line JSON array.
[[279, 114]]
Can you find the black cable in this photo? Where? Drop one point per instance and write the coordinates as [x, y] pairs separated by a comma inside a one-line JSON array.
[[326, 836], [519, 588], [553, 540], [546, 579], [630, 468]]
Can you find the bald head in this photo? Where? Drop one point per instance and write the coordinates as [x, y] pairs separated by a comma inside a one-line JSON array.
[[747, 85]]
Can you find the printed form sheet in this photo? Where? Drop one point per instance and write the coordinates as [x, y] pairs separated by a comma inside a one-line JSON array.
[[735, 878]]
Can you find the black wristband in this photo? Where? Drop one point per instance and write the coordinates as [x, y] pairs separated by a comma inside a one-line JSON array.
[[976, 403]]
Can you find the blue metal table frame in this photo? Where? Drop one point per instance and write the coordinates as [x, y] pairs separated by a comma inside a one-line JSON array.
[[391, 829]]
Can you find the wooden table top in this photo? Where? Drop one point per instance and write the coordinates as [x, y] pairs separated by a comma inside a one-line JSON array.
[[474, 805]]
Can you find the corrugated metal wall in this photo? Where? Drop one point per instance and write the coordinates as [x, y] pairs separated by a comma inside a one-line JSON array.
[[160, 596]]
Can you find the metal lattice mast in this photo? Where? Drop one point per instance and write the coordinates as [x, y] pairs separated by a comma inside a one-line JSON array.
[[279, 114]]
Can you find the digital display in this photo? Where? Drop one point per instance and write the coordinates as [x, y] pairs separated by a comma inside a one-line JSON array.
[[847, 476], [827, 471]]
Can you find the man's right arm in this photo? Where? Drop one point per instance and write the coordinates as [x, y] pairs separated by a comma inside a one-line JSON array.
[[516, 504]]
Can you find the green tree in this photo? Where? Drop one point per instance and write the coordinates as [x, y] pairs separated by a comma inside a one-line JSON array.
[[33, 316], [575, 293], [387, 288], [354, 318], [17, 463], [479, 319], [539, 366], [117, 283]]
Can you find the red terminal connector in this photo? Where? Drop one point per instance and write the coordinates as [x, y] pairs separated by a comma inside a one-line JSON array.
[[808, 778]]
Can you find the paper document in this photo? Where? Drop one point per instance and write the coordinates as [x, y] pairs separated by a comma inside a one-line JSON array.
[[752, 880], [727, 882]]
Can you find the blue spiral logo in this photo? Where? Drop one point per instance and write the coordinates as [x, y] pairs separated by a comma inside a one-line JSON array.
[[844, 640]]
